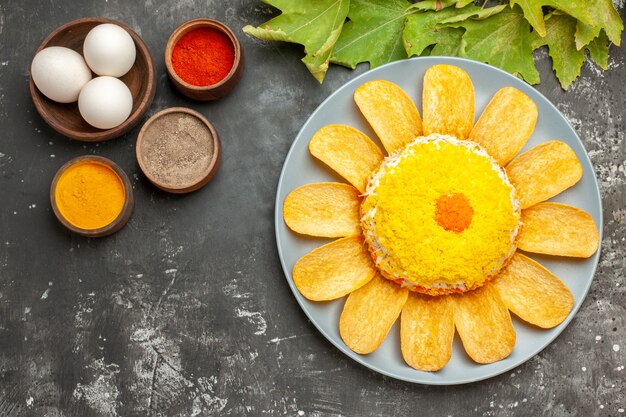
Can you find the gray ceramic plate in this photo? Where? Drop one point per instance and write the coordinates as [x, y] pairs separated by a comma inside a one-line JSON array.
[[301, 168]]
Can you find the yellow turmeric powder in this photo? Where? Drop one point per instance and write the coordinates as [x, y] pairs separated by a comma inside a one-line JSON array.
[[90, 195]]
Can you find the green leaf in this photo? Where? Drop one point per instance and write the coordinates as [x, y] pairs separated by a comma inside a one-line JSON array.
[[605, 17], [452, 46], [314, 24], [534, 14], [432, 5], [475, 13], [566, 59], [373, 34], [424, 29], [425, 5], [381, 31], [585, 34], [599, 50], [502, 40]]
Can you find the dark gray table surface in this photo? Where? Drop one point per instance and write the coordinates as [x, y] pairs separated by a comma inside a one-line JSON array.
[[186, 311]]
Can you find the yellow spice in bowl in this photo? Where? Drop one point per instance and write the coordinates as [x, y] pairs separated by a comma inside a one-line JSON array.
[[89, 195]]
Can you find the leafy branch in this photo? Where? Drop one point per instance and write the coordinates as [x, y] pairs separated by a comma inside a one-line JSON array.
[[348, 32]]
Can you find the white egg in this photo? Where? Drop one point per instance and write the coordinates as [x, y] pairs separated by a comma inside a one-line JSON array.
[[59, 73], [109, 50], [105, 102]]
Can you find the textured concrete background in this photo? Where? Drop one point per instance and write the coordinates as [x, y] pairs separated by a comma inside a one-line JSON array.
[[186, 312]]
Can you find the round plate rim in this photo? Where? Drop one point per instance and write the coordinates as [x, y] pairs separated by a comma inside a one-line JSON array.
[[358, 358]]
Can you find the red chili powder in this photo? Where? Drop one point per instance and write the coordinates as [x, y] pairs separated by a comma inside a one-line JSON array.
[[203, 56]]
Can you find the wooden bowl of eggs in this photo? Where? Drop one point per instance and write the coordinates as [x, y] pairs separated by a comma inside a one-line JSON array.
[[92, 79]]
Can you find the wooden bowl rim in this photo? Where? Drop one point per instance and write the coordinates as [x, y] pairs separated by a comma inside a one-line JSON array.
[[133, 118], [120, 220], [213, 164], [188, 26]]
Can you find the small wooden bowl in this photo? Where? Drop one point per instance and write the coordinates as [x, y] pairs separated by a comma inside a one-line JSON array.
[[203, 177], [120, 220], [65, 118], [211, 92]]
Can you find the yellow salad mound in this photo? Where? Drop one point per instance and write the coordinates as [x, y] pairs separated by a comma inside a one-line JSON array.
[[440, 216]]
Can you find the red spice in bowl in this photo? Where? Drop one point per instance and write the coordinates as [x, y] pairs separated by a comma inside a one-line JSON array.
[[211, 53], [203, 56]]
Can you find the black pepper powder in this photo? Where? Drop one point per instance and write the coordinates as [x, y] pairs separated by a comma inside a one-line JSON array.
[[176, 150]]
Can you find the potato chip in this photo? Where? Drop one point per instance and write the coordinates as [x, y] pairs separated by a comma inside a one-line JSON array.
[[390, 112], [533, 293], [506, 124], [369, 313], [558, 229], [448, 101], [427, 331], [334, 270], [347, 151], [325, 209], [484, 324], [543, 172]]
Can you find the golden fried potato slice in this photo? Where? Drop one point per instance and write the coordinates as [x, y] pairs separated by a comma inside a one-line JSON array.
[[484, 324], [348, 152], [326, 209], [558, 229], [533, 293], [390, 112], [448, 101], [370, 312], [334, 270], [506, 124], [543, 172], [427, 331]]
